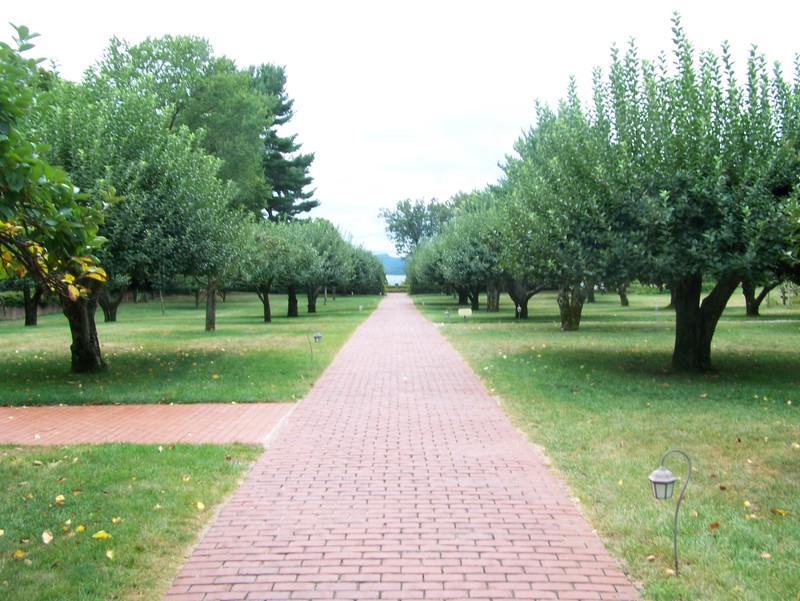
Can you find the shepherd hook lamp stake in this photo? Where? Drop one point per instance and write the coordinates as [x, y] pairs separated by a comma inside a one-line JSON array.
[[663, 483], [317, 339]]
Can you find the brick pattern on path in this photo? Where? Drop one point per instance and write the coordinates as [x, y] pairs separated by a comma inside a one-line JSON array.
[[399, 477], [146, 424]]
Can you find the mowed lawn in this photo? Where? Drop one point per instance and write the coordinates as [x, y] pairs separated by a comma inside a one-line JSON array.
[[156, 357], [604, 407]]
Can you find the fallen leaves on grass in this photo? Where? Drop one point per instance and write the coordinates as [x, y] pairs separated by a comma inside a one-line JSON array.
[[780, 512], [47, 537], [101, 534]]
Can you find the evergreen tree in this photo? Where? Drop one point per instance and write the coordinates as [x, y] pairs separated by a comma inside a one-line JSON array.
[[285, 169]]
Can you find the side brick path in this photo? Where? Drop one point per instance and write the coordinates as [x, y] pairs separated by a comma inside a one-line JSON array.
[[398, 477], [146, 424]]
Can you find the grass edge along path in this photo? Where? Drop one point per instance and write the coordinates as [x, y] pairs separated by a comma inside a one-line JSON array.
[[169, 358], [111, 521], [603, 405]]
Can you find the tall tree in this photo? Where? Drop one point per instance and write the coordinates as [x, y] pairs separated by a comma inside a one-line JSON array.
[[709, 149], [194, 88], [411, 223], [48, 232], [285, 168]]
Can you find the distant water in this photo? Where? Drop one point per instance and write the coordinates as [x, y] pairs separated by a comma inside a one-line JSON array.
[[395, 279]]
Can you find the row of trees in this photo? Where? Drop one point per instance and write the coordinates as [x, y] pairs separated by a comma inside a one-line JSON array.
[[206, 189], [676, 174]]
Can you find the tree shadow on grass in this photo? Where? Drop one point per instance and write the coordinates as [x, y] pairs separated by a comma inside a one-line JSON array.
[[646, 373]]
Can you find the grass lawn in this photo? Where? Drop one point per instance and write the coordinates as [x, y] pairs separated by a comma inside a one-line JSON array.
[[603, 404], [107, 521], [169, 358]]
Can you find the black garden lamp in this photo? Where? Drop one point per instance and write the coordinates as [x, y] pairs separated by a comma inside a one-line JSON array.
[[663, 482], [317, 339]]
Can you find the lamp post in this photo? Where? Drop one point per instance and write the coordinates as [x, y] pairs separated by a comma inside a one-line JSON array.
[[663, 483], [317, 339]]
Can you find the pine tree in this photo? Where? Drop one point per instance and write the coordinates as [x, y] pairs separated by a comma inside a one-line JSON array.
[[285, 169]]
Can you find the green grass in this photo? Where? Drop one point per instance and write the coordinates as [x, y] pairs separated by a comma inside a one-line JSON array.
[[605, 407], [169, 358], [151, 500]]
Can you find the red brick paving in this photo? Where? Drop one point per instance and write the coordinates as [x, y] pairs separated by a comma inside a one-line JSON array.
[[213, 423], [399, 477]]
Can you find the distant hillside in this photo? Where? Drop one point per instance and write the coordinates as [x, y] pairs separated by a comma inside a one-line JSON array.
[[392, 265]]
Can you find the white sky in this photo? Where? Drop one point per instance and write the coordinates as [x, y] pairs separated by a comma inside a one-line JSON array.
[[410, 99]]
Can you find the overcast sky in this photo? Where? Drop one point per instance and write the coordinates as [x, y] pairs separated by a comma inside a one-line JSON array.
[[410, 99]]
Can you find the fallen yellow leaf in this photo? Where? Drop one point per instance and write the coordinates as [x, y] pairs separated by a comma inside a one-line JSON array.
[[101, 534], [215, 376], [110, 553], [201, 506], [116, 520], [780, 512], [47, 537], [766, 555], [80, 528], [59, 498], [2, 532], [186, 477], [19, 553], [747, 503]]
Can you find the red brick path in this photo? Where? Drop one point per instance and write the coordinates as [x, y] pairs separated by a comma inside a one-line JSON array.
[[399, 477], [215, 423]]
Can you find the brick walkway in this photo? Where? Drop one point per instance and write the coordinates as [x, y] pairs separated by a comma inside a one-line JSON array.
[[217, 423], [398, 477]]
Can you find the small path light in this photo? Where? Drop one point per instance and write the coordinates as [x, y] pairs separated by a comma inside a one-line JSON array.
[[519, 312], [317, 339], [663, 483]]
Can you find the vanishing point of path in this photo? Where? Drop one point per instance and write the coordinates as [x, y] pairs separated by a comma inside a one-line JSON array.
[[399, 477]]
